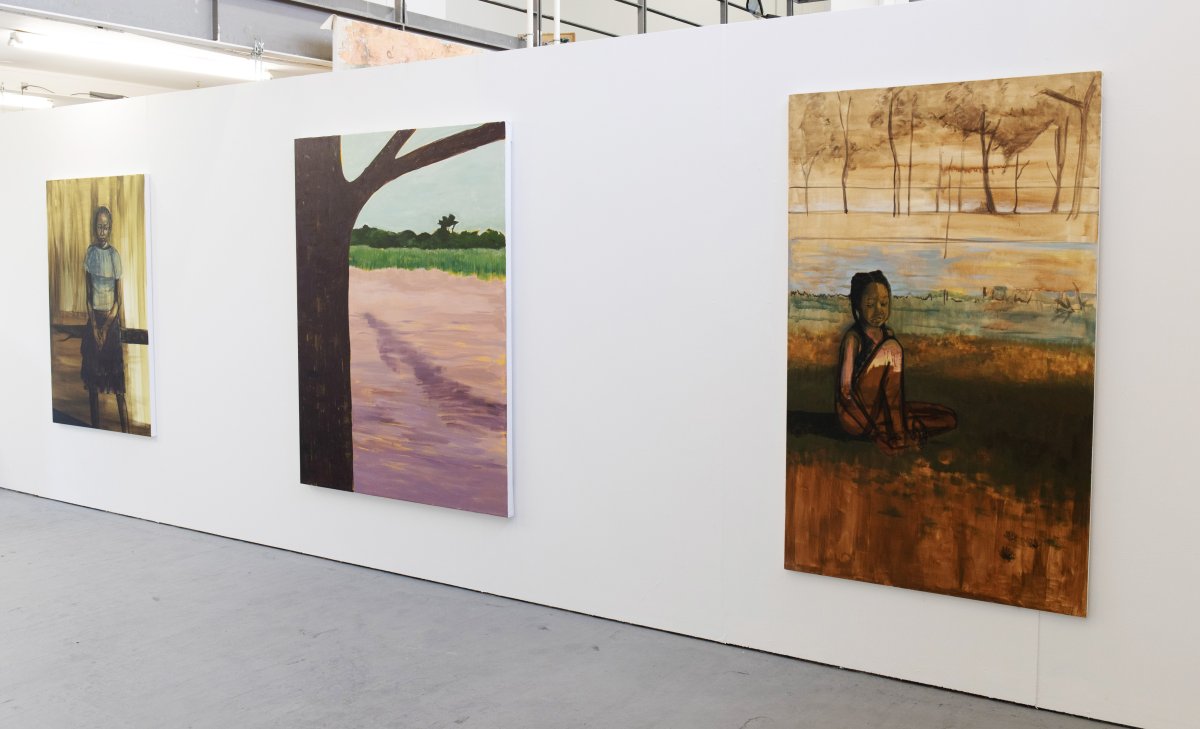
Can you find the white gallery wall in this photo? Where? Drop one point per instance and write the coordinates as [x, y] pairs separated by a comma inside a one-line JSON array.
[[649, 284]]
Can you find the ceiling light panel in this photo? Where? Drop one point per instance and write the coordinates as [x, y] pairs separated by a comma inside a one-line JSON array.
[[142, 52]]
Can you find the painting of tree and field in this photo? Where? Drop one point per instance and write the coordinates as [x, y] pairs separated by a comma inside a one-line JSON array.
[[940, 408], [402, 313]]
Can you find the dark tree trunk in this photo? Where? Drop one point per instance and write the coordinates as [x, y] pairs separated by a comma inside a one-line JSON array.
[[845, 148], [961, 167], [986, 138], [1016, 180], [1017, 171], [1060, 160], [325, 214]]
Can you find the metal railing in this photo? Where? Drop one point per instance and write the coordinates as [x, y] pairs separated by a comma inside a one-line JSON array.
[[644, 11], [399, 16]]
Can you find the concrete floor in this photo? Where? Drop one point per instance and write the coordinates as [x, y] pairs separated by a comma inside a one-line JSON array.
[[107, 621]]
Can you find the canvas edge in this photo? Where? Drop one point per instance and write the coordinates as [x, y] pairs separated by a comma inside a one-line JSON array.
[[151, 348], [508, 320]]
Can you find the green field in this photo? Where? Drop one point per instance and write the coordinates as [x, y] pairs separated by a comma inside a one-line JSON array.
[[1027, 439], [481, 262]]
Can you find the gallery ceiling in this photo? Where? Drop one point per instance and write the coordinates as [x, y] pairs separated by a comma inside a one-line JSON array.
[[47, 58], [68, 62]]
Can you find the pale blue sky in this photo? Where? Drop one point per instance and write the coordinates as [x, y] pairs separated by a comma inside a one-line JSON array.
[[470, 185]]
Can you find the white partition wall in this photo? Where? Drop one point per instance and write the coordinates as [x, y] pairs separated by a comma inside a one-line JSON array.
[[649, 284]]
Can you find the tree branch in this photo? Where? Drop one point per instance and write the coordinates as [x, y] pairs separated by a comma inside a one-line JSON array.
[[383, 170], [1062, 97], [387, 155]]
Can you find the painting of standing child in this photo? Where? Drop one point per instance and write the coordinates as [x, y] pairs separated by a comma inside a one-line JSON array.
[[99, 306]]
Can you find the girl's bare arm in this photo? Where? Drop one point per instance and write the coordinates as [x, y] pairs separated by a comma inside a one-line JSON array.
[[846, 368]]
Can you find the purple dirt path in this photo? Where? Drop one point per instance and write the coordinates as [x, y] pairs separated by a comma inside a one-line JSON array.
[[428, 383]]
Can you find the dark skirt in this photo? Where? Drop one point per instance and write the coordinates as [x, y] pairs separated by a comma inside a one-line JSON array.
[[103, 367]]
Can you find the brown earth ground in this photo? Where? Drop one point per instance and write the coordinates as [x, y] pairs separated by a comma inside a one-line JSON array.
[[937, 531], [429, 388], [996, 510]]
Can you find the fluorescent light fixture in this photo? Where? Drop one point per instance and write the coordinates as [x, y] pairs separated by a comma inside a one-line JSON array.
[[9, 100], [133, 51]]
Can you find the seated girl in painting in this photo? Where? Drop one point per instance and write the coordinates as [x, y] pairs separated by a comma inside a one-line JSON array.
[[103, 367], [870, 399]]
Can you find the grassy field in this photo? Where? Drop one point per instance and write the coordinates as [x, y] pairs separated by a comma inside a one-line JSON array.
[[1028, 436], [484, 263], [996, 510], [1038, 320]]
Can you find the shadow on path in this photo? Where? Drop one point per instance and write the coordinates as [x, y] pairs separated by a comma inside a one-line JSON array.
[[453, 399]]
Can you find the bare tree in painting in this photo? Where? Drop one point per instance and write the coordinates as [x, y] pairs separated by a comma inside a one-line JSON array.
[[848, 147], [913, 124], [941, 172], [1018, 168], [327, 206], [1062, 126], [896, 112], [947, 167], [969, 110], [987, 134], [961, 156], [817, 136], [885, 116], [1021, 127], [1083, 105]]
